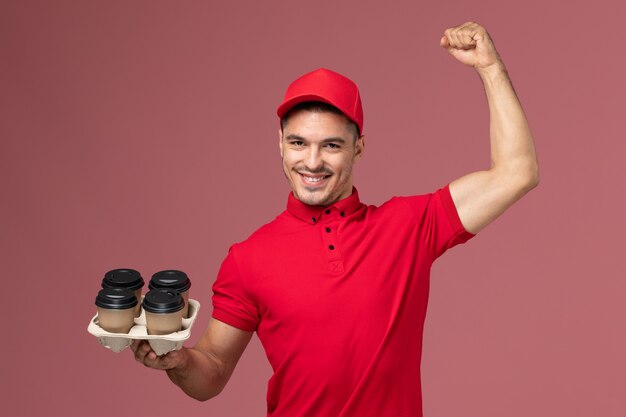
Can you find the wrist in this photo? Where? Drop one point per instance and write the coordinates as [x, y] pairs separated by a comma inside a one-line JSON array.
[[493, 73], [178, 370]]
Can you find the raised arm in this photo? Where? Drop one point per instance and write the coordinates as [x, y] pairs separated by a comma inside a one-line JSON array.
[[202, 371], [480, 197]]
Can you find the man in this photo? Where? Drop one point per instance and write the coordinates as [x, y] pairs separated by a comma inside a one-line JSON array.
[[336, 290]]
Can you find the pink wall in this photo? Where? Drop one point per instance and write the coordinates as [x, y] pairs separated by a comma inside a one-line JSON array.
[[144, 135]]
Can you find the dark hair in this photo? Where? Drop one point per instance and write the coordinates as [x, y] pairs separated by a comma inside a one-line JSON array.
[[319, 107]]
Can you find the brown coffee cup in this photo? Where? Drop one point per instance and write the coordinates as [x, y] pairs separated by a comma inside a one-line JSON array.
[[164, 311], [173, 280], [125, 278], [116, 309]]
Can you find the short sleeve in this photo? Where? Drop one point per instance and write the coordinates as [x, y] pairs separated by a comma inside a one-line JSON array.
[[231, 301], [440, 227]]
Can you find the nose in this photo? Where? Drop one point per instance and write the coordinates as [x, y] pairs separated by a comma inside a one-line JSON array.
[[313, 161]]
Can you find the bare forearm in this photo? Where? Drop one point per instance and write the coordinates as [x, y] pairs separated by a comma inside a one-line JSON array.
[[199, 375], [202, 371], [512, 147]]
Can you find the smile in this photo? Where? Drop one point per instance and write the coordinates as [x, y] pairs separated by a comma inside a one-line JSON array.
[[313, 180]]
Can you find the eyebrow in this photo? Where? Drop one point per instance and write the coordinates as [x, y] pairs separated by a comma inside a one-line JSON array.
[[293, 136]]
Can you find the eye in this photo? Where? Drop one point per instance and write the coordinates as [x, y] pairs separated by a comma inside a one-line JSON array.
[[296, 143], [332, 145]]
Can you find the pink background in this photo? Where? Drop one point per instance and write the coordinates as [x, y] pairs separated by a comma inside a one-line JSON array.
[[143, 135]]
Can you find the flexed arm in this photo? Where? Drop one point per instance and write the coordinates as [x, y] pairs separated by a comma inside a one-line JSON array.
[[480, 197]]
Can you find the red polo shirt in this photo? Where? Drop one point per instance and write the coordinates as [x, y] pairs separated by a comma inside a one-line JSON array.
[[338, 296]]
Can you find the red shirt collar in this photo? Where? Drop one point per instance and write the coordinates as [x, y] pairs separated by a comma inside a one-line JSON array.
[[311, 214]]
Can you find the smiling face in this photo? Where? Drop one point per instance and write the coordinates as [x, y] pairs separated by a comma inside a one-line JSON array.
[[318, 150]]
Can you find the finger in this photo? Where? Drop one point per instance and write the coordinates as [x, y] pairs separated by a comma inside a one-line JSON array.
[[449, 35], [140, 355], [463, 36], [472, 33], [168, 361], [152, 356], [149, 358], [466, 39], [142, 350], [469, 24], [134, 345]]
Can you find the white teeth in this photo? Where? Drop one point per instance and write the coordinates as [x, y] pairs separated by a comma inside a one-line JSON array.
[[311, 179]]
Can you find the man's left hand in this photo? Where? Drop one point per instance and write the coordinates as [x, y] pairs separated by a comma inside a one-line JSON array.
[[470, 44]]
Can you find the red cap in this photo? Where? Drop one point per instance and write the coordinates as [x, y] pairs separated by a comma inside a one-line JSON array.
[[329, 87]]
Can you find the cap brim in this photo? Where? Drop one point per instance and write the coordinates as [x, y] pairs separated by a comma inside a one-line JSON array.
[[289, 104]]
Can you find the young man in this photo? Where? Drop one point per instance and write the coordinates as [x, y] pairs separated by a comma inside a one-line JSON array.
[[336, 290]]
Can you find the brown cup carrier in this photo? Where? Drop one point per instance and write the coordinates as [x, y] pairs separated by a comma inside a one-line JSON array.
[[160, 344]]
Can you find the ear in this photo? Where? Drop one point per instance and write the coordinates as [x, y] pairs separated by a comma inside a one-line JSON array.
[[280, 140], [359, 147]]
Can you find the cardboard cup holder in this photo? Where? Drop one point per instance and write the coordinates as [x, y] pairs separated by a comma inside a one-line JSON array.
[[160, 344]]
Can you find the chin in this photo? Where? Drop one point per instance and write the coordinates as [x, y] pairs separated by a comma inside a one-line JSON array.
[[312, 198]]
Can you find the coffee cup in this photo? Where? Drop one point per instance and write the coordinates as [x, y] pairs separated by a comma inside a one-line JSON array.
[[116, 309], [173, 280], [164, 311], [125, 278]]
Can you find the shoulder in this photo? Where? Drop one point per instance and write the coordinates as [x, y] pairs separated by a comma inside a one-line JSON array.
[[414, 208], [404, 204], [261, 238]]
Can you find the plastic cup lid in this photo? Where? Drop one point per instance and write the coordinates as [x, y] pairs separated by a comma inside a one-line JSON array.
[[162, 301], [170, 279], [116, 298], [123, 278]]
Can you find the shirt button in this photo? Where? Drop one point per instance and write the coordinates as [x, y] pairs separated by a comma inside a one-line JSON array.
[[313, 219], [331, 247], [327, 211], [342, 214], [328, 230]]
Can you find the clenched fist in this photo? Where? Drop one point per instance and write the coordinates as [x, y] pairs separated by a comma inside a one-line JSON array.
[[470, 43]]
